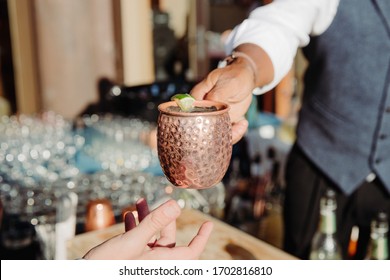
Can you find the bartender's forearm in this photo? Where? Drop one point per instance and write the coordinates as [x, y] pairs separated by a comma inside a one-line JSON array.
[[263, 70]]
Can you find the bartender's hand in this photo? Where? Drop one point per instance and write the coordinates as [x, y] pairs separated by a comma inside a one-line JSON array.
[[234, 84], [135, 243]]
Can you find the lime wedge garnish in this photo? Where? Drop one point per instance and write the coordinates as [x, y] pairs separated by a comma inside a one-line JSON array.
[[185, 101]]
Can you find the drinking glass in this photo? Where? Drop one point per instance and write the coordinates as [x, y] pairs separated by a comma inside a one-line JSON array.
[[194, 148]]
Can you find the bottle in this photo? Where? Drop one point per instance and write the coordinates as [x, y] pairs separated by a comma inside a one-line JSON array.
[[325, 245], [378, 247]]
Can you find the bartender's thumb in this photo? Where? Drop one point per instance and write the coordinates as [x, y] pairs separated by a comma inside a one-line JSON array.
[[157, 220]]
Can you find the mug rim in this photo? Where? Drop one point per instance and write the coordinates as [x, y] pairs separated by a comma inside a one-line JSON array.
[[221, 108]]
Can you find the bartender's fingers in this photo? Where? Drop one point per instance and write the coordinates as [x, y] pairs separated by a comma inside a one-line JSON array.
[[228, 84], [220, 85], [200, 90], [238, 130], [156, 221]]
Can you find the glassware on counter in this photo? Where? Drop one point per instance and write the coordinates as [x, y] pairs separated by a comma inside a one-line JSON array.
[[119, 143], [45, 157]]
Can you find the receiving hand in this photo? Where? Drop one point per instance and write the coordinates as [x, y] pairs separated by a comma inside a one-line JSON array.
[[153, 238]]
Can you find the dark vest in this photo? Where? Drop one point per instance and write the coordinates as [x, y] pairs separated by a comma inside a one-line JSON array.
[[344, 123]]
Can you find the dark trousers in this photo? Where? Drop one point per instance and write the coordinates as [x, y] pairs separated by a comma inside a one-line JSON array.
[[305, 184]]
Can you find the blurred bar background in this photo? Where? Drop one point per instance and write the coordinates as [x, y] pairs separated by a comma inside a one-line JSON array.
[[79, 87]]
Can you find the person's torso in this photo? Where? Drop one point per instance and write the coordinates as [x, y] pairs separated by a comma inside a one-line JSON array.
[[345, 118]]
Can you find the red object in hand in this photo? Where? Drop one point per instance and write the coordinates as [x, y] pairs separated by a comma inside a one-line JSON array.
[[129, 221], [142, 210]]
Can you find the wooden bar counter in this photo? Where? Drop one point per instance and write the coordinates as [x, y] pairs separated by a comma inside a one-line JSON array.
[[225, 243]]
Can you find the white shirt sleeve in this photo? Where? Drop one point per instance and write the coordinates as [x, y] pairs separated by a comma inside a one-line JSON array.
[[280, 28]]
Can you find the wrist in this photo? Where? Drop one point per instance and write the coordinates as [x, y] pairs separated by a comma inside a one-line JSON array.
[[236, 56]]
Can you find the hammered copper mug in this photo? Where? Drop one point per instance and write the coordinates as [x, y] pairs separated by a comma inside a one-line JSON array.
[[194, 148]]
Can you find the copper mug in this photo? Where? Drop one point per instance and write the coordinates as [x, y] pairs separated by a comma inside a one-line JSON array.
[[194, 148], [1, 213], [99, 215]]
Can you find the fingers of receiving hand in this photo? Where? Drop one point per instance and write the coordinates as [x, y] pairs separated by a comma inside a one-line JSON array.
[[190, 252], [156, 221], [167, 236], [238, 130], [198, 243]]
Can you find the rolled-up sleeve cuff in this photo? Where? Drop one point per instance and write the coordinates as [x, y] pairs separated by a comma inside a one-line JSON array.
[[278, 44]]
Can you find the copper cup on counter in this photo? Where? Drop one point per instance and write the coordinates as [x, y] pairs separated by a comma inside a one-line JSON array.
[[1, 213], [194, 148], [99, 215]]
